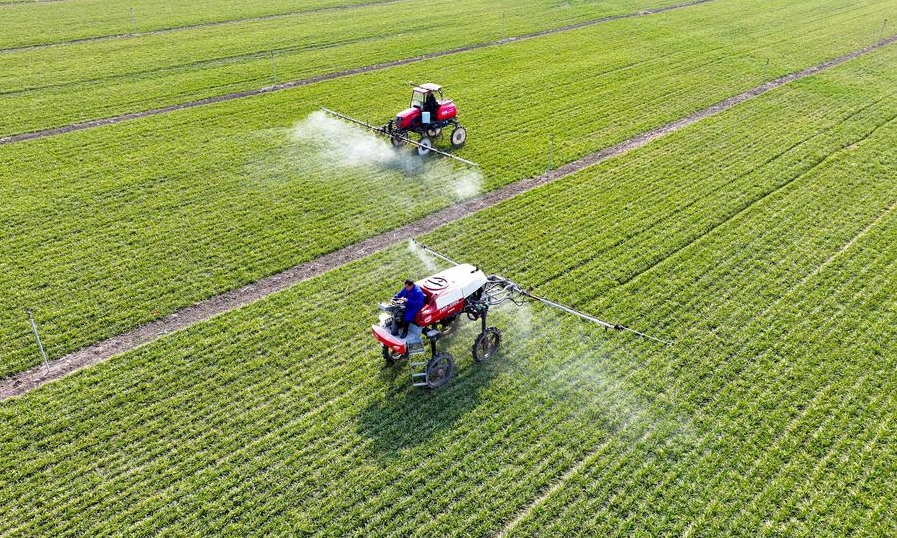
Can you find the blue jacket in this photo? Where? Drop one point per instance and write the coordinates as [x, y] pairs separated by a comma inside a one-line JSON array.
[[415, 301]]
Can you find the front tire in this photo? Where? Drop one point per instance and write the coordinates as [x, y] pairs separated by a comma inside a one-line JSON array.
[[390, 357], [424, 147], [439, 370], [434, 132], [459, 136], [486, 344]]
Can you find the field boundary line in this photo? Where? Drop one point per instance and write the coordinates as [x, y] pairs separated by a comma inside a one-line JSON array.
[[17, 2], [171, 29], [111, 120], [186, 317]]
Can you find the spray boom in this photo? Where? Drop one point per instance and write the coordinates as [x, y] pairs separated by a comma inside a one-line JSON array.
[[399, 137], [499, 289]]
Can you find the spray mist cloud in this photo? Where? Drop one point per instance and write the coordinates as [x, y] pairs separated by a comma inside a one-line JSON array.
[[337, 144]]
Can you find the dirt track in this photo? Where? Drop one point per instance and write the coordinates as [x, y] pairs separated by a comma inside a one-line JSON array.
[[21, 137], [219, 304]]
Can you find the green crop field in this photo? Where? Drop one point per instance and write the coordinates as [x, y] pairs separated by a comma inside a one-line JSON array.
[[51, 86], [34, 23], [227, 194], [759, 240]]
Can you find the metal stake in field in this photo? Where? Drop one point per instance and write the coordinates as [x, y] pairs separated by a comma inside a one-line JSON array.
[[273, 67], [765, 67], [133, 21], [40, 346], [884, 25], [502, 25]]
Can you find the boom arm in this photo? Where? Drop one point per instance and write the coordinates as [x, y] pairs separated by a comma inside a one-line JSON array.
[[405, 139], [499, 289]]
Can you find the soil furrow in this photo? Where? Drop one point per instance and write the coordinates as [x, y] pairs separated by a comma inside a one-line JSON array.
[[23, 382]]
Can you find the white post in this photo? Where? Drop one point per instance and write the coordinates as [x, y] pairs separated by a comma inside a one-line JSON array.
[[133, 21], [273, 67], [40, 346]]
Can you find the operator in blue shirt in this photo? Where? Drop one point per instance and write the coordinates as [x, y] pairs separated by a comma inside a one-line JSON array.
[[414, 299]]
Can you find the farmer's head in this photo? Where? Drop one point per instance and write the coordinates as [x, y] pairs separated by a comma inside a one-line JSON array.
[[409, 284]]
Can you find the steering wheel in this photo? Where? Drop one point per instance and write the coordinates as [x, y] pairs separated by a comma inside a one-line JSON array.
[[436, 283]]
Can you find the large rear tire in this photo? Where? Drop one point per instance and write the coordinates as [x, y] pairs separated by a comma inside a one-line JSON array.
[[459, 136], [424, 146], [439, 370], [486, 344]]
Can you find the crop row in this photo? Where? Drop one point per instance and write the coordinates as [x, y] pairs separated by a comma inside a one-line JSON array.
[[631, 228], [274, 418], [794, 443], [163, 69], [40, 23], [104, 234], [69, 85]]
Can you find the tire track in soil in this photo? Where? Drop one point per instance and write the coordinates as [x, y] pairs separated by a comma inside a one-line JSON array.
[[111, 120], [168, 30], [98, 352]]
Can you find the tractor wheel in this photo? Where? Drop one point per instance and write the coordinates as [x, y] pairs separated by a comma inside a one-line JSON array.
[[390, 357], [459, 136], [486, 344], [424, 147], [396, 141], [434, 132], [439, 370]]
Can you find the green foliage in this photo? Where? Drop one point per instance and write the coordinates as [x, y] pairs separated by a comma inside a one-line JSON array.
[[30, 23], [52, 86], [761, 240], [112, 227]]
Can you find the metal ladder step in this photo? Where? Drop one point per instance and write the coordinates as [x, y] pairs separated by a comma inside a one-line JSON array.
[[418, 373]]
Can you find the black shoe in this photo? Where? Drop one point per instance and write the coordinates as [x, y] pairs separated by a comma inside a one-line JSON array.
[[404, 334]]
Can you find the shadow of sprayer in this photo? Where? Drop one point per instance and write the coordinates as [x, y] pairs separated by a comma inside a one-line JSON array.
[[406, 416]]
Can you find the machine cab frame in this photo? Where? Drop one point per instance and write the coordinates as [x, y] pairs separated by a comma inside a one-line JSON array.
[[420, 95]]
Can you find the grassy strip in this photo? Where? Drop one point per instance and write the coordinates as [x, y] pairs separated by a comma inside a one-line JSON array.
[[90, 215], [270, 419], [782, 442], [162, 69]]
